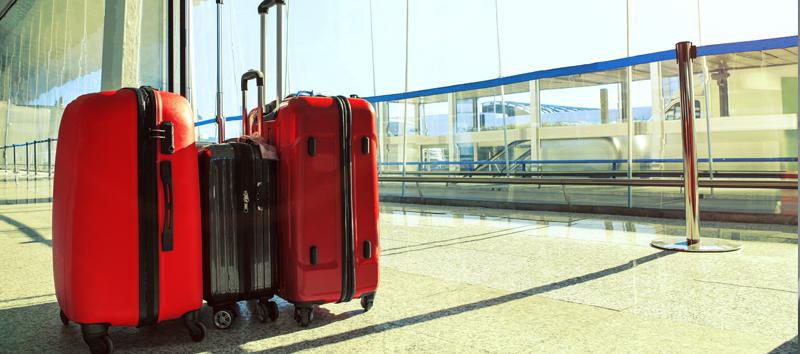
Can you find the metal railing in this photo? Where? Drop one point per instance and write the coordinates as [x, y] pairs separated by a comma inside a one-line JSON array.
[[31, 163]]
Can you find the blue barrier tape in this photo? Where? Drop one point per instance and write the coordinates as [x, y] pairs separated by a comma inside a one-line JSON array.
[[748, 46], [715, 49]]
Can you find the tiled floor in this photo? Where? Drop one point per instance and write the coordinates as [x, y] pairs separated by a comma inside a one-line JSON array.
[[470, 280]]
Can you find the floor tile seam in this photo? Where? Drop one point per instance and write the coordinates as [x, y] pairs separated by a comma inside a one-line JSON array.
[[460, 284], [446, 340], [645, 316], [745, 286], [458, 241], [491, 216], [555, 238], [544, 295]]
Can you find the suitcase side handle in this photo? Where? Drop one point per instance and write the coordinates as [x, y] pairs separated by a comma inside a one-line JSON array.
[[166, 184], [246, 77]]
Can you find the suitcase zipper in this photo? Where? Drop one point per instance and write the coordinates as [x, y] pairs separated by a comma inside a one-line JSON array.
[[148, 207], [348, 237]]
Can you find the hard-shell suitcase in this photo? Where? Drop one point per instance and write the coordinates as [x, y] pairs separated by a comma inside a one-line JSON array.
[[328, 194], [237, 187], [126, 215], [327, 202], [237, 183]]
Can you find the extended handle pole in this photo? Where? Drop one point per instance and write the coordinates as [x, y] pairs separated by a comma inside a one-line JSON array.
[[246, 124], [263, 9], [685, 53], [220, 117]]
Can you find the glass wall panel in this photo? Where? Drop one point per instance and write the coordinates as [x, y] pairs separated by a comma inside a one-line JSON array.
[[51, 52], [582, 122]]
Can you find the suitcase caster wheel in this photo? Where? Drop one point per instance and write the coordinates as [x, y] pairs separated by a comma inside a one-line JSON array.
[[96, 337], [64, 318], [272, 311], [267, 310], [100, 345], [303, 316], [367, 301], [197, 331], [223, 318]]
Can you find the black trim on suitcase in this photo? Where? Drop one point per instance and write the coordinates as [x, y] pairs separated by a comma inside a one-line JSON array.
[[348, 239], [148, 207]]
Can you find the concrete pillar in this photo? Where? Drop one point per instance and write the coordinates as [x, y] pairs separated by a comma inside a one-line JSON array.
[[121, 43], [604, 106], [452, 147], [536, 119], [657, 103], [656, 96]]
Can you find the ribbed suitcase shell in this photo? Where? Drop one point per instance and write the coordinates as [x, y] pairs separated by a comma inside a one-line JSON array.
[[96, 209], [310, 199], [238, 246]]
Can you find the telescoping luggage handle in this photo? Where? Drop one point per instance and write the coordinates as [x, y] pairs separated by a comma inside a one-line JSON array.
[[263, 8], [259, 77]]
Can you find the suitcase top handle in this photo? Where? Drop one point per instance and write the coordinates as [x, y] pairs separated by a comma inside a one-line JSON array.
[[259, 77], [267, 4]]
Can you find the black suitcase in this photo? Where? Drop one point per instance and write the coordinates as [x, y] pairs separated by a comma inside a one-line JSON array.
[[237, 183], [237, 197]]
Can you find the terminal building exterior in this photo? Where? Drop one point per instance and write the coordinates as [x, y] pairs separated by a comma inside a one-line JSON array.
[[528, 154]]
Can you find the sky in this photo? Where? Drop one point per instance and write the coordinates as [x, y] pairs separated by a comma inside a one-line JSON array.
[[331, 43]]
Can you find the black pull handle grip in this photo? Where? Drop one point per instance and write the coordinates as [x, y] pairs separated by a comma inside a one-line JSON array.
[[267, 4], [166, 183], [252, 74]]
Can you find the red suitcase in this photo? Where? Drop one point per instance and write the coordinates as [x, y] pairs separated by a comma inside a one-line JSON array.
[[126, 214], [327, 202], [327, 195]]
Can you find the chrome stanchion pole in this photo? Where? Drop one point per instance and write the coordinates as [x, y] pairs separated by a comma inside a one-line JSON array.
[[685, 52]]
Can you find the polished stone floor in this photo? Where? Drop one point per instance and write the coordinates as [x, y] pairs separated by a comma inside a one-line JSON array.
[[470, 280]]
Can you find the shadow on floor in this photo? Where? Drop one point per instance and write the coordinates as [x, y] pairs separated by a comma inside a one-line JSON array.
[[34, 235], [34, 328], [318, 342], [790, 347]]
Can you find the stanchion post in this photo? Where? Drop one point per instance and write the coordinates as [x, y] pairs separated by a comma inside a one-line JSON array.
[[35, 169], [49, 158], [27, 160], [685, 52]]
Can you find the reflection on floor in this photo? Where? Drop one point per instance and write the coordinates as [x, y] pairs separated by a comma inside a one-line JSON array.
[[471, 280]]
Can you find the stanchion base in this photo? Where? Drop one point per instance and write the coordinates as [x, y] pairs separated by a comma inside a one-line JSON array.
[[705, 245]]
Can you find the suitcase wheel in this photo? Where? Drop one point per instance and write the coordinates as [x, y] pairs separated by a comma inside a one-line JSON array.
[[64, 318], [100, 345], [367, 301], [223, 317], [96, 337], [267, 310], [197, 331], [303, 315]]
